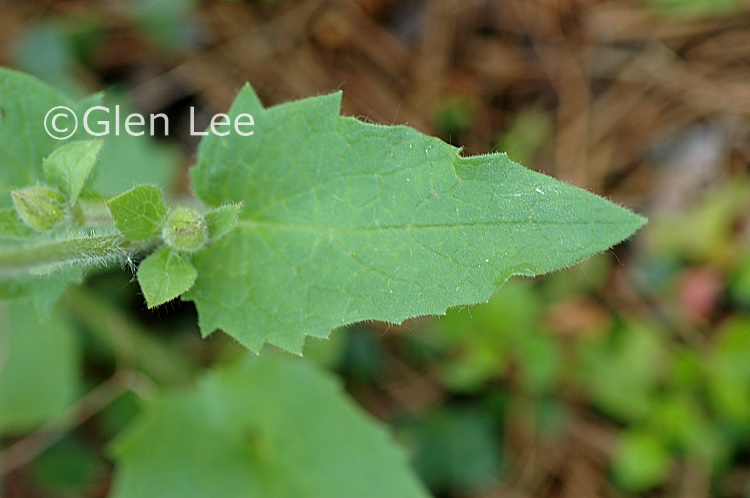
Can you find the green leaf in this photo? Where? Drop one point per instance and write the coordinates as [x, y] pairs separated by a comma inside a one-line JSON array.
[[695, 9], [43, 50], [346, 221], [138, 213], [164, 275], [681, 423], [641, 461], [166, 22], [39, 375], [268, 426], [68, 467], [485, 336], [11, 226], [68, 167], [24, 103], [42, 290], [455, 448], [222, 219], [728, 371], [629, 361], [124, 160]]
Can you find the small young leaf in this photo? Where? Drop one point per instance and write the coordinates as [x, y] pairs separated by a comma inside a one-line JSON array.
[[68, 167], [222, 219], [138, 213], [11, 225], [164, 275], [40, 207], [346, 221], [185, 230], [266, 427]]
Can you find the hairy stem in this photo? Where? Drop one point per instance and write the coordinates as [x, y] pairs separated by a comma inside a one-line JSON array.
[[86, 249]]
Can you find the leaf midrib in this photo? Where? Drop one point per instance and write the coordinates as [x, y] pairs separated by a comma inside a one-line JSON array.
[[278, 225]]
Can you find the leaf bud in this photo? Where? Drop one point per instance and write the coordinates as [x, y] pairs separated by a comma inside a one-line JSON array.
[[40, 207], [185, 230]]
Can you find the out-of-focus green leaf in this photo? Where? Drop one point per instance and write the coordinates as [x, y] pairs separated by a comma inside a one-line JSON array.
[[364, 355], [538, 355], [328, 353], [682, 424], [728, 371], [739, 283], [687, 369], [267, 426], [620, 371], [68, 468], [39, 375], [551, 416], [454, 115], [68, 166], [127, 160], [43, 50], [583, 278], [455, 449], [703, 233], [529, 131], [480, 338], [43, 290], [696, 9], [641, 462], [12, 226], [24, 103], [164, 21]]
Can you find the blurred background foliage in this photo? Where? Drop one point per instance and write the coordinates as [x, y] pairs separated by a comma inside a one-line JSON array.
[[627, 375]]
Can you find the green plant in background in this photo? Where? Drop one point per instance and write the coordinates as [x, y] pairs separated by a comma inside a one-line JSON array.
[[313, 222], [695, 9]]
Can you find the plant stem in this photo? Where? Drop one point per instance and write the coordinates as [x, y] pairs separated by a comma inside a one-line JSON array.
[[87, 249]]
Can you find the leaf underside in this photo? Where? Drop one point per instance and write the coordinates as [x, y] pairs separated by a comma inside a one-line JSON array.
[[346, 221]]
